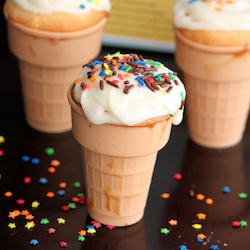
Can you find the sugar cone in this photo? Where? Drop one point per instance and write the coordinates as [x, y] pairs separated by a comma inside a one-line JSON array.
[[49, 61], [118, 165], [218, 91]]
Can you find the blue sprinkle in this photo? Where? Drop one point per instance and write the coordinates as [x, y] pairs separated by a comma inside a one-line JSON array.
[[89, 65], [43, 180], [61, 192], [25, 158], [82, 6], [33, 242], [97, 62], [142, 63], [138, 78], [102, 73], [170, 74], [123, 67], [199, 240], [183, 247], [90, 226], [226, 190], [35, 161]]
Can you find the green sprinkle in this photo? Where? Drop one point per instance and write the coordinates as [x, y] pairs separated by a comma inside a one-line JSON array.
[[172, 115], [242, 195], [182, 95], [154, 63], [72, 205], [164, 231], [128, 68], [159, 79], [49, 151], [243, 223], [44, 221], [153, 73], [81, 238], [80, 195], [172, 77], [77, 184]]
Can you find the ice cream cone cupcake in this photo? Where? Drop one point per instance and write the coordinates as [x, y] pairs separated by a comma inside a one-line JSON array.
[[213, 50], [51, 42], [123, 107]]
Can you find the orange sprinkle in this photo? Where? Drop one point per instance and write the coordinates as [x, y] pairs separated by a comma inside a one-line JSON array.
[[62, 185], [17, 212], [93, 77], [173, 222], [127, 75], [91, 85], [126, 64], [78, 80], [8, 194], [220, 2], [201, 236], [209, 201], [82, 232], [229, 1], [12, 215], [200, 197], [110, 79], [165, 195], [75, 199], [201, 216], [50, 194], [51, 170], [25, 212], [55, 163], [29, 217], [218, 9], [115, 63]]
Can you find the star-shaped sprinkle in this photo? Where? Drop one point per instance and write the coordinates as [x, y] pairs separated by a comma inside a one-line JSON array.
[[177, 177], [63, 244], [27, 180], [44, 221], [60, 192], [75, 199], [165, 195], [12, 225], [110, 227], [65, 208], [12, 215], [61, 220], [35, 204], [82, 200], [17, 212], [29, 217], [20, 201], [77, 184], [243, 223], [200, 197], [82, 232], [236, 224], [183, 247], [8, 194], [50, 151], [164, 231], [226, 190], [201, 236], [201, 216], [81, 238], [29, 224], [91, 231], [173, 222], [97, 224], [72, 205], [33, 242], [55, 163], [25, 212], [242, 195], [35, 161], [214, 247], [197, 226], [50, 194], [51, 230], [43, 180]]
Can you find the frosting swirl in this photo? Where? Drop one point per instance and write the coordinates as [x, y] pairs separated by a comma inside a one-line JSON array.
[[127, 90], [63, 6], [212, 14]]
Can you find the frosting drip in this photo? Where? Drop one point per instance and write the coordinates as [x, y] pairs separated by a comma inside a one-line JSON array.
[[112, 105], [212, 14], [63, 6]]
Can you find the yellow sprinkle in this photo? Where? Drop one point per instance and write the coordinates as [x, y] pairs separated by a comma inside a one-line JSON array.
[[106, 65], [210, 6], [162, 90], [197, 226], [107, 72], [97, 2], [109, 57]]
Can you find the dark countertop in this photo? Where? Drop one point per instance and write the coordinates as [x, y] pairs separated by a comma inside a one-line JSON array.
[[205, 171]]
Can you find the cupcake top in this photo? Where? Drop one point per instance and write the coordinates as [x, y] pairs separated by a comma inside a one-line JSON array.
[[126, 89], [63, 6], [212, 14]]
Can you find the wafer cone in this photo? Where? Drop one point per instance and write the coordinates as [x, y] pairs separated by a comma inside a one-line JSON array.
[[118, 165], [48, 63], [218, 91]]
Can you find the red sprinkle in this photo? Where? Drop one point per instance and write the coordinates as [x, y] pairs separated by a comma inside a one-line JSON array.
[[177, 177]]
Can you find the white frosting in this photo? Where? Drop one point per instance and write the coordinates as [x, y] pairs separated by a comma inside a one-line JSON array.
[[212, 14], [63, 6], [111, 105]]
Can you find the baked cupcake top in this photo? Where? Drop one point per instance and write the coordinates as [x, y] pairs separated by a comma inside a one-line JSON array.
[[57, 15], [127, 89], [224, 15]]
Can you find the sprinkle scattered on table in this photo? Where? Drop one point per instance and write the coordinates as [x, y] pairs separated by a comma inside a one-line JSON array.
[[165, 231], [34, 242], [35, 204], [197, 226], [173, 222], [200, 197], [51, 230], [177, 176], [50, 151], [201, 216], [226, 190], [242, 195], [110, 227]]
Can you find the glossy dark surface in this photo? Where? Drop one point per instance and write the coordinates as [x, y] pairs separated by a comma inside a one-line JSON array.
[[203, 170]]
